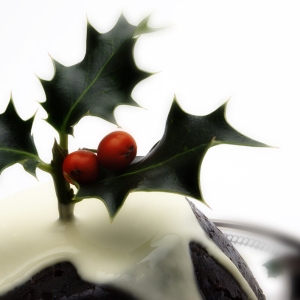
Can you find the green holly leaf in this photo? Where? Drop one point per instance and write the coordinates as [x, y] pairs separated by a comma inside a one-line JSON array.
[[16, 141], [103, 80], [173, 164]]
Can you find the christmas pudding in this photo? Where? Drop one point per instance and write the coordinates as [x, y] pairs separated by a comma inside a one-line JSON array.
[[124, 229], [158, 247]]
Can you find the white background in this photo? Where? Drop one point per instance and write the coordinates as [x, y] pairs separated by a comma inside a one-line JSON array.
[[211, 51]]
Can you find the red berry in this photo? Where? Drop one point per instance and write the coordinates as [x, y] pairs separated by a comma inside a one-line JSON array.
[[81, 166], [116, 150]]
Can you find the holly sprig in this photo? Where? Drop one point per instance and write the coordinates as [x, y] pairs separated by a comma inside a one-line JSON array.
[[103, 80]]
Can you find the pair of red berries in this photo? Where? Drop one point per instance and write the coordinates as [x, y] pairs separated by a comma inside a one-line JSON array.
[[115, 152]]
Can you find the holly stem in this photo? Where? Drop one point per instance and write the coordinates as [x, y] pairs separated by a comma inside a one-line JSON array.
[[66, 211], [92, 150], [63, 190], [63, 140], [45, 167]]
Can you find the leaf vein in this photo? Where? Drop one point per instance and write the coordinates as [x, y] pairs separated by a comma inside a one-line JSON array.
[[90, 85], [30, 155], [158, 164]]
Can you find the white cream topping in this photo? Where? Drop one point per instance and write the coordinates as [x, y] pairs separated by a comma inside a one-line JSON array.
[[144, 251]]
